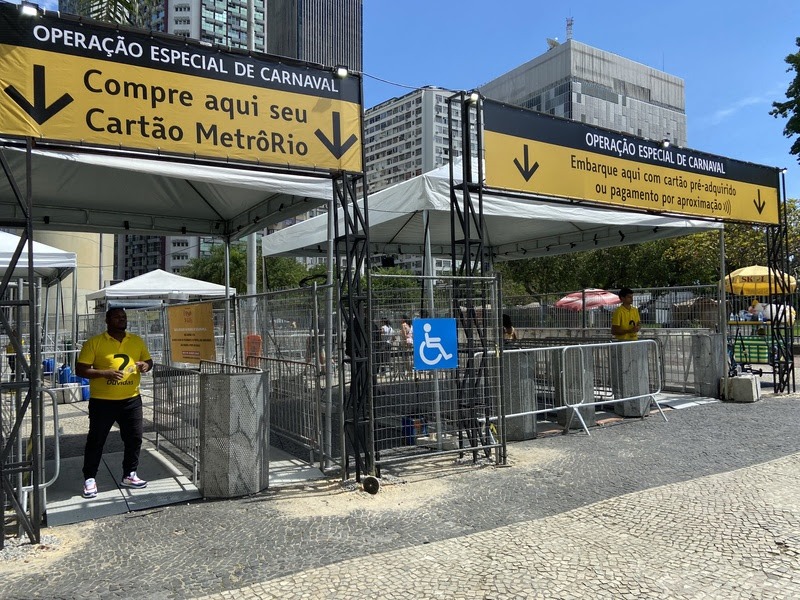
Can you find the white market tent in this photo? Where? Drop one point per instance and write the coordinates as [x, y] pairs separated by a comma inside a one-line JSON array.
[[50, 264], [115, 192], [159, 285], [514, 227]]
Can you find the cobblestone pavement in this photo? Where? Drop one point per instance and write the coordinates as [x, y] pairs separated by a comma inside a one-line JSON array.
[[705, 506]]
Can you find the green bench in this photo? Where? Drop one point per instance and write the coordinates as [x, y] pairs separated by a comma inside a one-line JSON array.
[[752, 349]]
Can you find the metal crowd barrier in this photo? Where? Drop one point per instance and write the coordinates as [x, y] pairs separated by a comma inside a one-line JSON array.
[[176, 410], [296, 411], [555, 379]]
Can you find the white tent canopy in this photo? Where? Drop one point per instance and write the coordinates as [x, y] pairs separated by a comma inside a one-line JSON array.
[[50, 264], [117, 192], [514, 227], [159, 285]]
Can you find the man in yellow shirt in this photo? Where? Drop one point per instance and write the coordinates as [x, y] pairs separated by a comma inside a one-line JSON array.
[[113, 363], [625, 322]]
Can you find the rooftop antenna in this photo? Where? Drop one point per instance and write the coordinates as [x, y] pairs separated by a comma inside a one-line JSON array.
[[570, 22]]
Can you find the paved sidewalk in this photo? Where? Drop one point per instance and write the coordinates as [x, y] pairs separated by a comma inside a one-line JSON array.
[[704, 506], [733, 535]]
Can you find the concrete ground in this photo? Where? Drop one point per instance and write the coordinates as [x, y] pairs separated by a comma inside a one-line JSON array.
[[704, 506]]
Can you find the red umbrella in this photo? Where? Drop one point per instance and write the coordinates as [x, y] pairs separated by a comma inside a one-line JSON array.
[[588, 300]]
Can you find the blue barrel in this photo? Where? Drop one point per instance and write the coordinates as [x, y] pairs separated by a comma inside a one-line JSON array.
[[64, 374], [48, 366]]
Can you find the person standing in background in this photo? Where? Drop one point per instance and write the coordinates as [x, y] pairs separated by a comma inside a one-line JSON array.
[[509, 333], [625, 322]]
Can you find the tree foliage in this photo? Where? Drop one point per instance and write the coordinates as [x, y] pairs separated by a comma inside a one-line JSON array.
[[790, 109]]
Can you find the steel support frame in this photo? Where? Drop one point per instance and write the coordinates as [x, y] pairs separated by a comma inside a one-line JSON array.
[[469, 259], [782, 327], [20, 459], [355, 308]]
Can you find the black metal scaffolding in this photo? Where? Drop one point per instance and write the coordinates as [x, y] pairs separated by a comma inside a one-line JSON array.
[[469, 259], [20, 439], [352, 244], [780, 295]]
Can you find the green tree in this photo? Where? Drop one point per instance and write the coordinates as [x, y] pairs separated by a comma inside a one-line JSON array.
[[211, 268], [283, 272], [790, 109]]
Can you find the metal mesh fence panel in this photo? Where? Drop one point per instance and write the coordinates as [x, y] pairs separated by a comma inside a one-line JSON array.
[[176, 410], [674, 317], [421, 413]]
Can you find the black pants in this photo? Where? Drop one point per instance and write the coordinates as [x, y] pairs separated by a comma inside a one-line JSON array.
[[102, 416]]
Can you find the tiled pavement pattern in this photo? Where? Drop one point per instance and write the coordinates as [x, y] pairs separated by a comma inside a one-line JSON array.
[[705, 506]]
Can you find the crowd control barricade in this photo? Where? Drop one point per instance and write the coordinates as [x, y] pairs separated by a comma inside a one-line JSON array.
[[567, 383], [176, 411], [234, 430], [296, 411]]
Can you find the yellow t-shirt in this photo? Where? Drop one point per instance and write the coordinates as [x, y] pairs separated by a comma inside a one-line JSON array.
[[625, 318], [104, 352]]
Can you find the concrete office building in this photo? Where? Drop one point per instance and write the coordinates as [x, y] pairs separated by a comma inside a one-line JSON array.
[[582, 83], [328, 32], [318, 31]]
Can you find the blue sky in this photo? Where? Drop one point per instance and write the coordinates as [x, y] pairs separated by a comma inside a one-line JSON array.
[[730, 54]]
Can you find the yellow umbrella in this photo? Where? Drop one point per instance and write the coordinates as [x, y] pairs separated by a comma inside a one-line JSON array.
[[755, 281]]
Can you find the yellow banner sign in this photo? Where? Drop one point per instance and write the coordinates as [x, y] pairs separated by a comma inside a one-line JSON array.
[[554, 157], [76, 83], [191, 333]]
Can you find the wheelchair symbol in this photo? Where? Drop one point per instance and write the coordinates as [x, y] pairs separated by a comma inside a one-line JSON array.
[[432, 343]]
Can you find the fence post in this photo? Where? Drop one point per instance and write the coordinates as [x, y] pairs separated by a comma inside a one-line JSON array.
[[629, 378]]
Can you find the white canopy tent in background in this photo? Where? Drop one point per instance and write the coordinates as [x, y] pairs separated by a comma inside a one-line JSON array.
[[159, 287], [514, 227], [50, 264]]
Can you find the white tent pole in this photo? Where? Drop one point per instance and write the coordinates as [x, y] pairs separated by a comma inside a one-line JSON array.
[[226, 349], [723, 314], [69, 359], [327, 439], [251, 239], [437, 408]]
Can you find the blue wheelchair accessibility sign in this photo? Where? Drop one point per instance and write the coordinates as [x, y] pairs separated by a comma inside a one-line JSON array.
[[435, 344]]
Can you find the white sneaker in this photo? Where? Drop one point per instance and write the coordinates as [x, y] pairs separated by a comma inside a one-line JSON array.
[[90, 488], [131, 480]]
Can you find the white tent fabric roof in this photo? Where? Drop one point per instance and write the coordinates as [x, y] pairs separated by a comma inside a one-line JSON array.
[[51, 264], [514, 227], [161, 285], [115, 192]]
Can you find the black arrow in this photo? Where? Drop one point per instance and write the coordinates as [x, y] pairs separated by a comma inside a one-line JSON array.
[[38, 110], [760, 204], [337, 148], [527, 171]]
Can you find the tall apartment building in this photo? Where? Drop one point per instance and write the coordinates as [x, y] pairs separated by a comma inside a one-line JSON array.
[[405, 137], [328, 32], [583, 83], [319, 31]]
